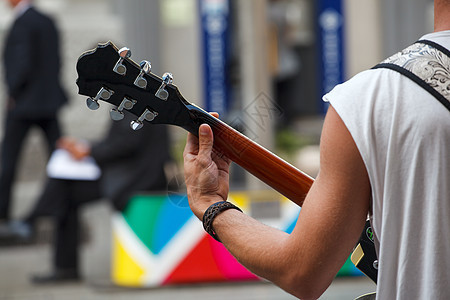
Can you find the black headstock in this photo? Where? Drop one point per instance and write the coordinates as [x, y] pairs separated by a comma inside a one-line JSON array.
[[108, 74]]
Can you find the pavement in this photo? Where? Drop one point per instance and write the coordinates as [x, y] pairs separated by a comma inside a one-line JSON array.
[[17, 263]]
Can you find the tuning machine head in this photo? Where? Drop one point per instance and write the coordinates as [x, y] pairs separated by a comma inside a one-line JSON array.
[[117, 112], [146, 68], [162, 93], [103, 94], [119, 67], [146, 115]]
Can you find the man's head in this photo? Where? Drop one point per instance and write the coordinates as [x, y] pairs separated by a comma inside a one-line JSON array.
[[14, 3]]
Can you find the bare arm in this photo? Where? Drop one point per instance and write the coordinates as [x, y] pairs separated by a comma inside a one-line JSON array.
[[304, 262]]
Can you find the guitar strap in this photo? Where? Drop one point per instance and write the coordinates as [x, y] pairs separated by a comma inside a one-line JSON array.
[[427, 64]]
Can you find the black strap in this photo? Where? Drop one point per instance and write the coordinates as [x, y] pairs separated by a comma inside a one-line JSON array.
[[435, 45]]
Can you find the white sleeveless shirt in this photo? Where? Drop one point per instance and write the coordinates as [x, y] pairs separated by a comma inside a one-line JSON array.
[[403, 135]]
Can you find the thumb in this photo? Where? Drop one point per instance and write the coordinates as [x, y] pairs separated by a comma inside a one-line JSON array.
[[205, 140]]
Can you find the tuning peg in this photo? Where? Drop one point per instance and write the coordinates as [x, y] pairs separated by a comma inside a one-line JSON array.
[[146, 68], [117, 113], [146, 115], [103, 94], [120, 68], [162, 93]]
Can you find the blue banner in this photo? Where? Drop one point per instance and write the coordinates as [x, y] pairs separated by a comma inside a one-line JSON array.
[[215, 23], [331, 46]]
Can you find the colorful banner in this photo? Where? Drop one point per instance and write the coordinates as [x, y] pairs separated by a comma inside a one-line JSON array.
[[158, 241]]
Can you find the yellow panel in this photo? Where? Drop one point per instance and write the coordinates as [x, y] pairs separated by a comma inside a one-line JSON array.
[[125, 271], [241, 200]]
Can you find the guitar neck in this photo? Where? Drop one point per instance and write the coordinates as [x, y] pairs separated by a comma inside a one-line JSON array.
[[266, 166]]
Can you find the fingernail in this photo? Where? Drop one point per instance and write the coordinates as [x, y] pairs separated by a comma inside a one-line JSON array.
[[203, 130]]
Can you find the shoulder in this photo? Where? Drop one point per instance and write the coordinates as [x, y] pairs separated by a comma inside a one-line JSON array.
[[364, 82], [379, 89]]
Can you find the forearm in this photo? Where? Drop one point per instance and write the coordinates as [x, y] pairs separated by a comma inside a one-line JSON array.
[[269, 253]]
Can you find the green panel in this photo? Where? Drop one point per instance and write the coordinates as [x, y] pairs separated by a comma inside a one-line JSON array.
[[141, 215]]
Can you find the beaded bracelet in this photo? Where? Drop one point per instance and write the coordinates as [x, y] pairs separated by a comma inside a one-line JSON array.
[[212, 212]]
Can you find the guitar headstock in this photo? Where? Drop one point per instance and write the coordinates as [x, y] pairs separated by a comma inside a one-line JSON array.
[[108, 74]]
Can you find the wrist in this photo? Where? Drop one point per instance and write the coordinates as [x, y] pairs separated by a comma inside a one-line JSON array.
[[212, 212], [199, 203]]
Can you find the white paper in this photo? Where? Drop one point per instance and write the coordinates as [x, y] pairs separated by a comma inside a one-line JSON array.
[[63, 166]]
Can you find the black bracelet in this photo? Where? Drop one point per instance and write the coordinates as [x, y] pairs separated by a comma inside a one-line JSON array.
[[212, 212]]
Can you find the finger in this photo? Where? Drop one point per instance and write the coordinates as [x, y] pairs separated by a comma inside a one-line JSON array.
[[214, 114], [191, 144], [205, 142]]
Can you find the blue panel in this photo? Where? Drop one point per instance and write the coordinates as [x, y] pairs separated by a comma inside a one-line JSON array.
[[215, 23], [330, 21], [173, 215]]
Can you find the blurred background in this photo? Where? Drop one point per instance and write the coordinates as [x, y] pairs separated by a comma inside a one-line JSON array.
[[262, 64]]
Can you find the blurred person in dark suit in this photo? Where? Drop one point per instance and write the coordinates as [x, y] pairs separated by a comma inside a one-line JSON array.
[[130, 162], [34, 94]]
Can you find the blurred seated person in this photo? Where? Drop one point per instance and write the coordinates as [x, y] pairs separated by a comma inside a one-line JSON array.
[[130, 162]]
